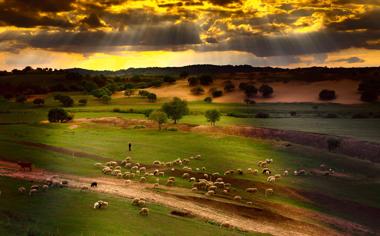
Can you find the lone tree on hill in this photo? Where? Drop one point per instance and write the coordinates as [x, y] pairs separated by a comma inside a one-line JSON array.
[[266, 90], [327, 95], [159, 117], [175, 109], [212, 116]]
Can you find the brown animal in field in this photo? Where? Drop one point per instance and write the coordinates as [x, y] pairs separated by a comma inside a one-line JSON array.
[[25, 165]]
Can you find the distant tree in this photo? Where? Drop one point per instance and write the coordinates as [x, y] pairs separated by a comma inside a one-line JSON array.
[[212, 116], [217, 93], [106, 99], [198, 90], [250, 90], [143, 93], [229, 86], [169, 79], [82, 102], [243, 85], [208, 99], [39, 101], [21, 98], [327, 95], [129, 92], [66, 101], [59, 115], [159, 117], [193, 81], [206, 80], [175, 109], [266, 90], [98, 93], [369, 95], [152, 97], [89, 86], [183, 74]]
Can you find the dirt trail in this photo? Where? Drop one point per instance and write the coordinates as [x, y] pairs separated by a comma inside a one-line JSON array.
[[293, 221]]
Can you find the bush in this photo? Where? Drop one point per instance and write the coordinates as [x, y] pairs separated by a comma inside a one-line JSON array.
[[262, 115], [212, 116], [327, 95], [143, 93], [193, 81], [169, 79], [369, 95], [21, 98], [59, 115], [266, 90], [197, 90], [208, 99], [229, 86], [105, 99], [206, 80], [333, 144], [152, 97], [217, 93], [243, 85], [39, 101], [66, 101], [82, 102], [98, 93], [250, 90]]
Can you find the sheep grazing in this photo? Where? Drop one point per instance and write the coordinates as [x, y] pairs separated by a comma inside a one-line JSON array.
[[84, 188], [141, 203], [134, 168], [205, 176], [331, 171], [135, 201], [45, 187], [142, 180], [286, 173], [268, 192], [197, 157], [262, 164], [117, 168], [299, 172], [186, 168], [98, 165], [237, 198], [197, 169], [156, 163], [249, 171], [194, 189], [255, 171], [21, 189], [239, 171], [161, 173], [107, 170], [277, 176], [96, 205], [100, 204], [32, 191], [215, 174], [210, 193], [203, 168], [142, 169], [192, 179], [35, 187], [219, 180], [156, 185], [251, 190], [185, 161], [144, 211], [225, 191], [128, 181], [212, 187], [227, 172], [185, 175], [172, 169], [250, 203], [268, 161], [128, 165], [322, 166], [271, 179], [170, 182], [266, 171]]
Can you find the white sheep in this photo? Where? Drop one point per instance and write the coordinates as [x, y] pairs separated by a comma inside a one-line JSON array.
[[194, 189], [286, 173], [144, 211], [128, 181], [32, 191], [268, 191], [45, 187], [237, 198], [22, 189], [210, 193], [271, 179], [251, 190], [142, 180]]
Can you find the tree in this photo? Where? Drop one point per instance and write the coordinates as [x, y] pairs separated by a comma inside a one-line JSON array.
[[152, 97], [212, 116], [229, 86], [169, 79], [159, 117], [250, 90], [66, 101], [83, 102], [59, 115], [106, 99], [208, 99], [21, 98], [197, 90], [143, 93], [327, 95], [206, 80], [216, 93], [39, 101], [175, 109], [266, 90], [193, 81], [369, 95], [243, 85], [128, 92]]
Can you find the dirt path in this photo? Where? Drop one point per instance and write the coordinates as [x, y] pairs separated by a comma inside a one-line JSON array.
[[293, 221]]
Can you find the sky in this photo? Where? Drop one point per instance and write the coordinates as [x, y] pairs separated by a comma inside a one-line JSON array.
[[119, 34]]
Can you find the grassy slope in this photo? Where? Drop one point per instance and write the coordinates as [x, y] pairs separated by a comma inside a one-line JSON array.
[[70, 212]]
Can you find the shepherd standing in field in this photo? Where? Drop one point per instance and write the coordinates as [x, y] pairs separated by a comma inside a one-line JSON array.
[[129, 146]]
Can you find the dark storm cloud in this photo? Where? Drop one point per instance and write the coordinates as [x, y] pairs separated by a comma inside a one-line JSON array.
[[92, 21], [158, 37], [297, 44], [38, 5], [223, 2], [350, 60], [368, 21]]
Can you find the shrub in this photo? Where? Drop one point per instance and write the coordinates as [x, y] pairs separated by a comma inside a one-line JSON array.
[[229, 86], [197, 90], [327, 95], [169, 79], [159, 117], [152, 97], [82, 102], [208, 99], [143, 93], [59, 115], [105, 99], [217, 93], [262, 115], [21, 98], [39, 101], [369, 95], [333, 144], [206, 80], [193, 81], [243, 85], [250, 90], [266, 90], [66, 101], [212, 116]]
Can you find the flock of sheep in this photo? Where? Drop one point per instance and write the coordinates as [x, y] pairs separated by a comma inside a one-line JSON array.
[[48, 183]]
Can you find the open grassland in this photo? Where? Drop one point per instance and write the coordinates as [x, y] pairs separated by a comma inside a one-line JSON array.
[[61, 211]]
